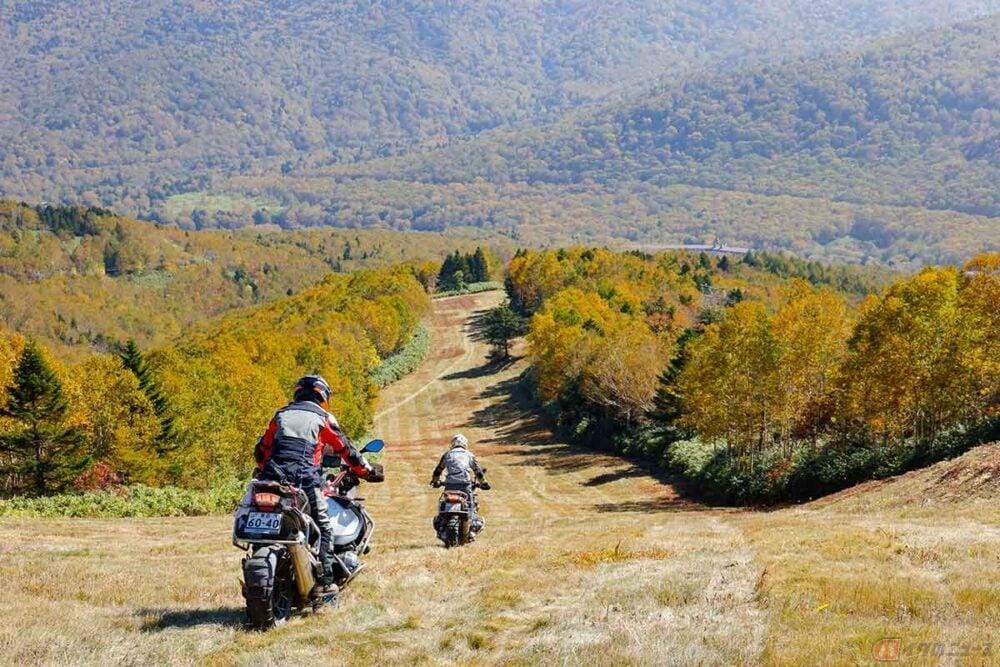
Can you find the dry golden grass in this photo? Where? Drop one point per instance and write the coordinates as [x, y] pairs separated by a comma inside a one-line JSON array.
[[585, 560]]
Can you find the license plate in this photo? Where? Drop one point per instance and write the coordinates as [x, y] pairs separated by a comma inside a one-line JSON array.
[[453, 508], [263, 522]]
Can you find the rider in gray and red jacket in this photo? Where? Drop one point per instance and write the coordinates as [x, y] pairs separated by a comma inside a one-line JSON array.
[[292, 449]]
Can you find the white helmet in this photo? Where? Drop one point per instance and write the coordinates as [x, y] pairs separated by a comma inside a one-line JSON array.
[[459, 441]]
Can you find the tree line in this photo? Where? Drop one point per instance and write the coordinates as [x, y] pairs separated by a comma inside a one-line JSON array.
[[785, 392], [187, 413]]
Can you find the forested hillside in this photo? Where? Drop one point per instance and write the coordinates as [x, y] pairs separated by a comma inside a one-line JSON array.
[[182, 413], [913, 121], [756, 388], [128, 105], [83, 280], [887, 153]]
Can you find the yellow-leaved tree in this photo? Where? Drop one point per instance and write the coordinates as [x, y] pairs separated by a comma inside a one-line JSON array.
[[906, 371], [979, 303], [729, 385], [624, 370], [811, 329], [562, 336], [118, 419]]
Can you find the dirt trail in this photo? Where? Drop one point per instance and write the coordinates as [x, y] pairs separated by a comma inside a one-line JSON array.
[[585, 560]]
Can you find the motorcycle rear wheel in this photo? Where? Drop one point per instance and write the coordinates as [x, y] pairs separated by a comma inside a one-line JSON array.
[[270, 589], [453, 532]]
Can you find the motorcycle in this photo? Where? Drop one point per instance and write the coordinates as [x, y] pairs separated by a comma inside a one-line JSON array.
[[282, 541], [452, 523]]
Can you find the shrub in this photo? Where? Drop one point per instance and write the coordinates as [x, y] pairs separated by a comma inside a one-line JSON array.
[[472, 288], [131, 501], [810, 472], [404, 361], [98, 478], [687, 458]]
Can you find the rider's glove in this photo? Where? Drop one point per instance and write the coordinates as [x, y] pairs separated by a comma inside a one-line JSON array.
[[377, 474]]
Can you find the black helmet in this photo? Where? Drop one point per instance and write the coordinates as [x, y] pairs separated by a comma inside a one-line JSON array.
[[312, 388]]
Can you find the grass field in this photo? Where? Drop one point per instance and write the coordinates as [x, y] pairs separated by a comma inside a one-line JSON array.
[[585, 560], [189, 202]]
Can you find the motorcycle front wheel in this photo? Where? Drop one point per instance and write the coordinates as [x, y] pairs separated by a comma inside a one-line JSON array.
[[270, 589]]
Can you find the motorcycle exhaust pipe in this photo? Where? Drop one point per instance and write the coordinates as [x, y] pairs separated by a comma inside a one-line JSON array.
[[304, 577]]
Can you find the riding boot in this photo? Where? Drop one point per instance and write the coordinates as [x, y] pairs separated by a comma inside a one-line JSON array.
[[317, 502]]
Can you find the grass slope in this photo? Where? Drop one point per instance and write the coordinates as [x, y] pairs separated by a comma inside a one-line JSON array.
[[585, 560]]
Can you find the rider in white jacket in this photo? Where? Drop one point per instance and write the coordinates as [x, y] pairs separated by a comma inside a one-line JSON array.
[[462, 468]]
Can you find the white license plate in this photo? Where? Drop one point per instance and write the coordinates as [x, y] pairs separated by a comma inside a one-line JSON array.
[[263, 522]]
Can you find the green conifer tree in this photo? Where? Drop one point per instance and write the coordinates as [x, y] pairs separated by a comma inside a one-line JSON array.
[[43, 454], [135, 362], [501, 325], [480, 267]]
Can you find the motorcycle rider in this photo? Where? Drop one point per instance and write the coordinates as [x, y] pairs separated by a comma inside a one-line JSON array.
[[462, 465], [291, 451]]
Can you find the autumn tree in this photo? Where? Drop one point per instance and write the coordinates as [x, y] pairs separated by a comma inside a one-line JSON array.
[[811, 330], [979, 311], [906, 373], [561, 337], [45, 453], [729, 382], [622, 374], [426, 274], [118, 418]]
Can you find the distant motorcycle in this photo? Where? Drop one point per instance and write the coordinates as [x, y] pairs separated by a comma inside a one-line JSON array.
[[452, 523], [282, 541]]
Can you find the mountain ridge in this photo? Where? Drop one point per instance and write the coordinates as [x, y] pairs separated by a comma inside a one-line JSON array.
[[122, 105]]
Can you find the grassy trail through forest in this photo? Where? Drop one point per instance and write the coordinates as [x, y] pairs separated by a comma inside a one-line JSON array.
[[568, 569], [585, 559]]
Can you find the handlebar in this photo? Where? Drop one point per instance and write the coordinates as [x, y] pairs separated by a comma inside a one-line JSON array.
[[484, 485]]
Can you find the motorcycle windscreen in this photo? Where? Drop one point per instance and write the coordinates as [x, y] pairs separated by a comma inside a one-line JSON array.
[[346, 522]]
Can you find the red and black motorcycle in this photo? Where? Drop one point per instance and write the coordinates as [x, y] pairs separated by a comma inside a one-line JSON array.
[[282, 542]]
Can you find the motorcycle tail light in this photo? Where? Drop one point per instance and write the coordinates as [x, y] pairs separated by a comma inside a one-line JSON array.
[[266, 500]]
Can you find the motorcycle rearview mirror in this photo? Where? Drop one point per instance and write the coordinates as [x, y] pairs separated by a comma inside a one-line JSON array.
[[373, 446]]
